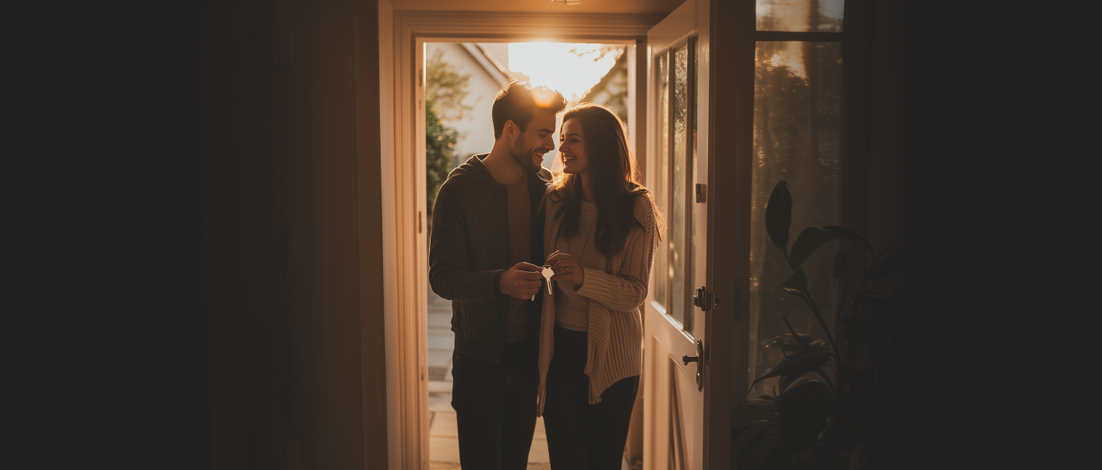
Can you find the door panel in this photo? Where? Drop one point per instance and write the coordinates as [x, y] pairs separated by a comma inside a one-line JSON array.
[[673, 398]]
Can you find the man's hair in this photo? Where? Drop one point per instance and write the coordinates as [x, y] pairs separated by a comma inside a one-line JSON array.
[[518, 101]]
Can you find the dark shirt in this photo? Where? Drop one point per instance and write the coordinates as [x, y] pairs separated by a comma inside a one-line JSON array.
[[469, 250]]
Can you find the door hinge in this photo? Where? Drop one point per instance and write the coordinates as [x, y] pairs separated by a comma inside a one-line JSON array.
[[700, 193]]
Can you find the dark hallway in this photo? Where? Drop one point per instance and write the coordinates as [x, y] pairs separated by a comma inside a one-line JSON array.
[[186, 254]]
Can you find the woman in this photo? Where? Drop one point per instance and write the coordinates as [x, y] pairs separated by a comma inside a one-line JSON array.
[[601, 229]]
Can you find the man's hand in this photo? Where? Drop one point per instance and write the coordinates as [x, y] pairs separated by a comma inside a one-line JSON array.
[[521, 281]]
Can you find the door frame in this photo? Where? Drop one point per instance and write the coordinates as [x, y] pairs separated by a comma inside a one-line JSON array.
[[403, 196]]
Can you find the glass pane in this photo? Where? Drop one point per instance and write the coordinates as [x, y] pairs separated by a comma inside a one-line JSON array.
[[690, 195], [797, 124], [800, 15], [661, 174], [678, 172]]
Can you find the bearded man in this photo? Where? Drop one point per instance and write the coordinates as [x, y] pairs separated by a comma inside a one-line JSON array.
[[486, 256]]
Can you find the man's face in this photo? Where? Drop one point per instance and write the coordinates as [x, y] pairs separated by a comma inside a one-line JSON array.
[[531, 144]]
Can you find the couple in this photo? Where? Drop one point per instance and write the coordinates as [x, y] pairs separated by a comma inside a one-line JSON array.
[[571, 351]]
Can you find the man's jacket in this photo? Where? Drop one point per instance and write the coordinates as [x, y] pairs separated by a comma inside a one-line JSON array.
[[469, 251]]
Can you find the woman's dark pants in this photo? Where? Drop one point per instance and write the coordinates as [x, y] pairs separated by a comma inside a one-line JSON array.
[[581, 436]]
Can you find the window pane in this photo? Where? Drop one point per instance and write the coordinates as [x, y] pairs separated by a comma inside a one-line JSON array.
[[800, 15], [797, 124], [679, 262], [661, 174]]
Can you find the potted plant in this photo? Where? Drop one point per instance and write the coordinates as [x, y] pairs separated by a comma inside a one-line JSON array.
[[829, 402]]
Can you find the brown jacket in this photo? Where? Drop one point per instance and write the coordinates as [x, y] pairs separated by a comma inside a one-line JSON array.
[[616, 296], [469, 250]]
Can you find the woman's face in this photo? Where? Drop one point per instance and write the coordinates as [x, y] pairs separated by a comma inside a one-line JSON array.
[[572, 148]]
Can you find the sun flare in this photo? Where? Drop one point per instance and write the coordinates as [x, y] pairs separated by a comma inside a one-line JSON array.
[[571, 69]]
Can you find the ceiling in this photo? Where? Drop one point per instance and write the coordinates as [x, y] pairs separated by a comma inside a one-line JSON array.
[[587, 6]]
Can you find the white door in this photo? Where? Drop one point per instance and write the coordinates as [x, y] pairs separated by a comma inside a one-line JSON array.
[[676, 166]]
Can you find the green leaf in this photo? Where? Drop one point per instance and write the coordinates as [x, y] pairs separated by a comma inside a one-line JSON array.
[[749, 439], [814, 237], [746, 416], [805, 245], [797, 364], [803, 412], [763, 453], [763, 408], [845, 233], [858, 458], [778, 215], [796, 283], [839, 264], [790, 343], [893, 263], [788, 380]]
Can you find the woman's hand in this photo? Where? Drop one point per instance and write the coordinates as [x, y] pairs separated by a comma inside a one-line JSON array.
[[566, 268]]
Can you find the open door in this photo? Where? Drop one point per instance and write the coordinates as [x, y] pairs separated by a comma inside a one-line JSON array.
[[675, 323]]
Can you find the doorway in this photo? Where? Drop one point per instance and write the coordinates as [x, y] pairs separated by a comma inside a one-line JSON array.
[[405, 202], [461, 80]]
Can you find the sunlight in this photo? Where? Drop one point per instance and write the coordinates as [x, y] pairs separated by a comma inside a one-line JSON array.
[[555, 65]]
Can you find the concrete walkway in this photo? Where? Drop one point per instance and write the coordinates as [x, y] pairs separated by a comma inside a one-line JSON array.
[[443, 443]]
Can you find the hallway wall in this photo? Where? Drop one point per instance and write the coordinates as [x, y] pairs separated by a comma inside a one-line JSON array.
[[282, 293]]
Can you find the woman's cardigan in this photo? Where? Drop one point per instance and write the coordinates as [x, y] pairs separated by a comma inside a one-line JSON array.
[[615, 349]]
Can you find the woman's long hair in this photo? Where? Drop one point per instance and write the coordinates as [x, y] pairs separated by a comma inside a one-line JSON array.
[[615, 181]]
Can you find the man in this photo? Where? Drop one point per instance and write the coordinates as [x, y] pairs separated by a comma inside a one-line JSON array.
[[485, 255]]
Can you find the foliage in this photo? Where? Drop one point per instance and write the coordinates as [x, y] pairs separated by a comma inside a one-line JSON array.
[[829, 405], [439, 153], [447, 88]]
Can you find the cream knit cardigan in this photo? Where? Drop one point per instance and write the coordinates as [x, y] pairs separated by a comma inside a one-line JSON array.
[[615, 349]]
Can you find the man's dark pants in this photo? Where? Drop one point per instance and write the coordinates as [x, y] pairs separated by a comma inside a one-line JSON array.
[[495, 407]]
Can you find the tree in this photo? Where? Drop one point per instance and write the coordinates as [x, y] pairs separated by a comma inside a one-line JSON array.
[[446, 87], [439, 153], [445, 90]]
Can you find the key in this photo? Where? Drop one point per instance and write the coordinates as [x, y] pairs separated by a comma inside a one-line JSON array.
[[547, 273]]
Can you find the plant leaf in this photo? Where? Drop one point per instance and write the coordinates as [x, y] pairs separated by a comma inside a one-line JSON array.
[[778, 215], [747, 440], [839, 264], [796, 283], [791, 380], [842, 232], [744, 417], [762, 453], [803, 412], [893, 263], [805, 245], [797, 364], [790, 344], [858, 458]]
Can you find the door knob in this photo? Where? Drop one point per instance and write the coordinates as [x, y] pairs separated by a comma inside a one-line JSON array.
[[686, 359]]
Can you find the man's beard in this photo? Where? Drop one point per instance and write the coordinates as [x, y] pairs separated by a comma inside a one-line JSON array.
[[525, 160]]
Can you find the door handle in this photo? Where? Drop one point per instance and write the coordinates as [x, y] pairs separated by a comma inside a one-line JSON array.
[[686, 359]]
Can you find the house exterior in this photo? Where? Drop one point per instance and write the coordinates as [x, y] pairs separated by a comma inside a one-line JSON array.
[[487, 66]]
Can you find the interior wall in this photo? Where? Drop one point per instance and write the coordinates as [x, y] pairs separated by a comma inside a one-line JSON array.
[[901, 180], [290, 351]]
